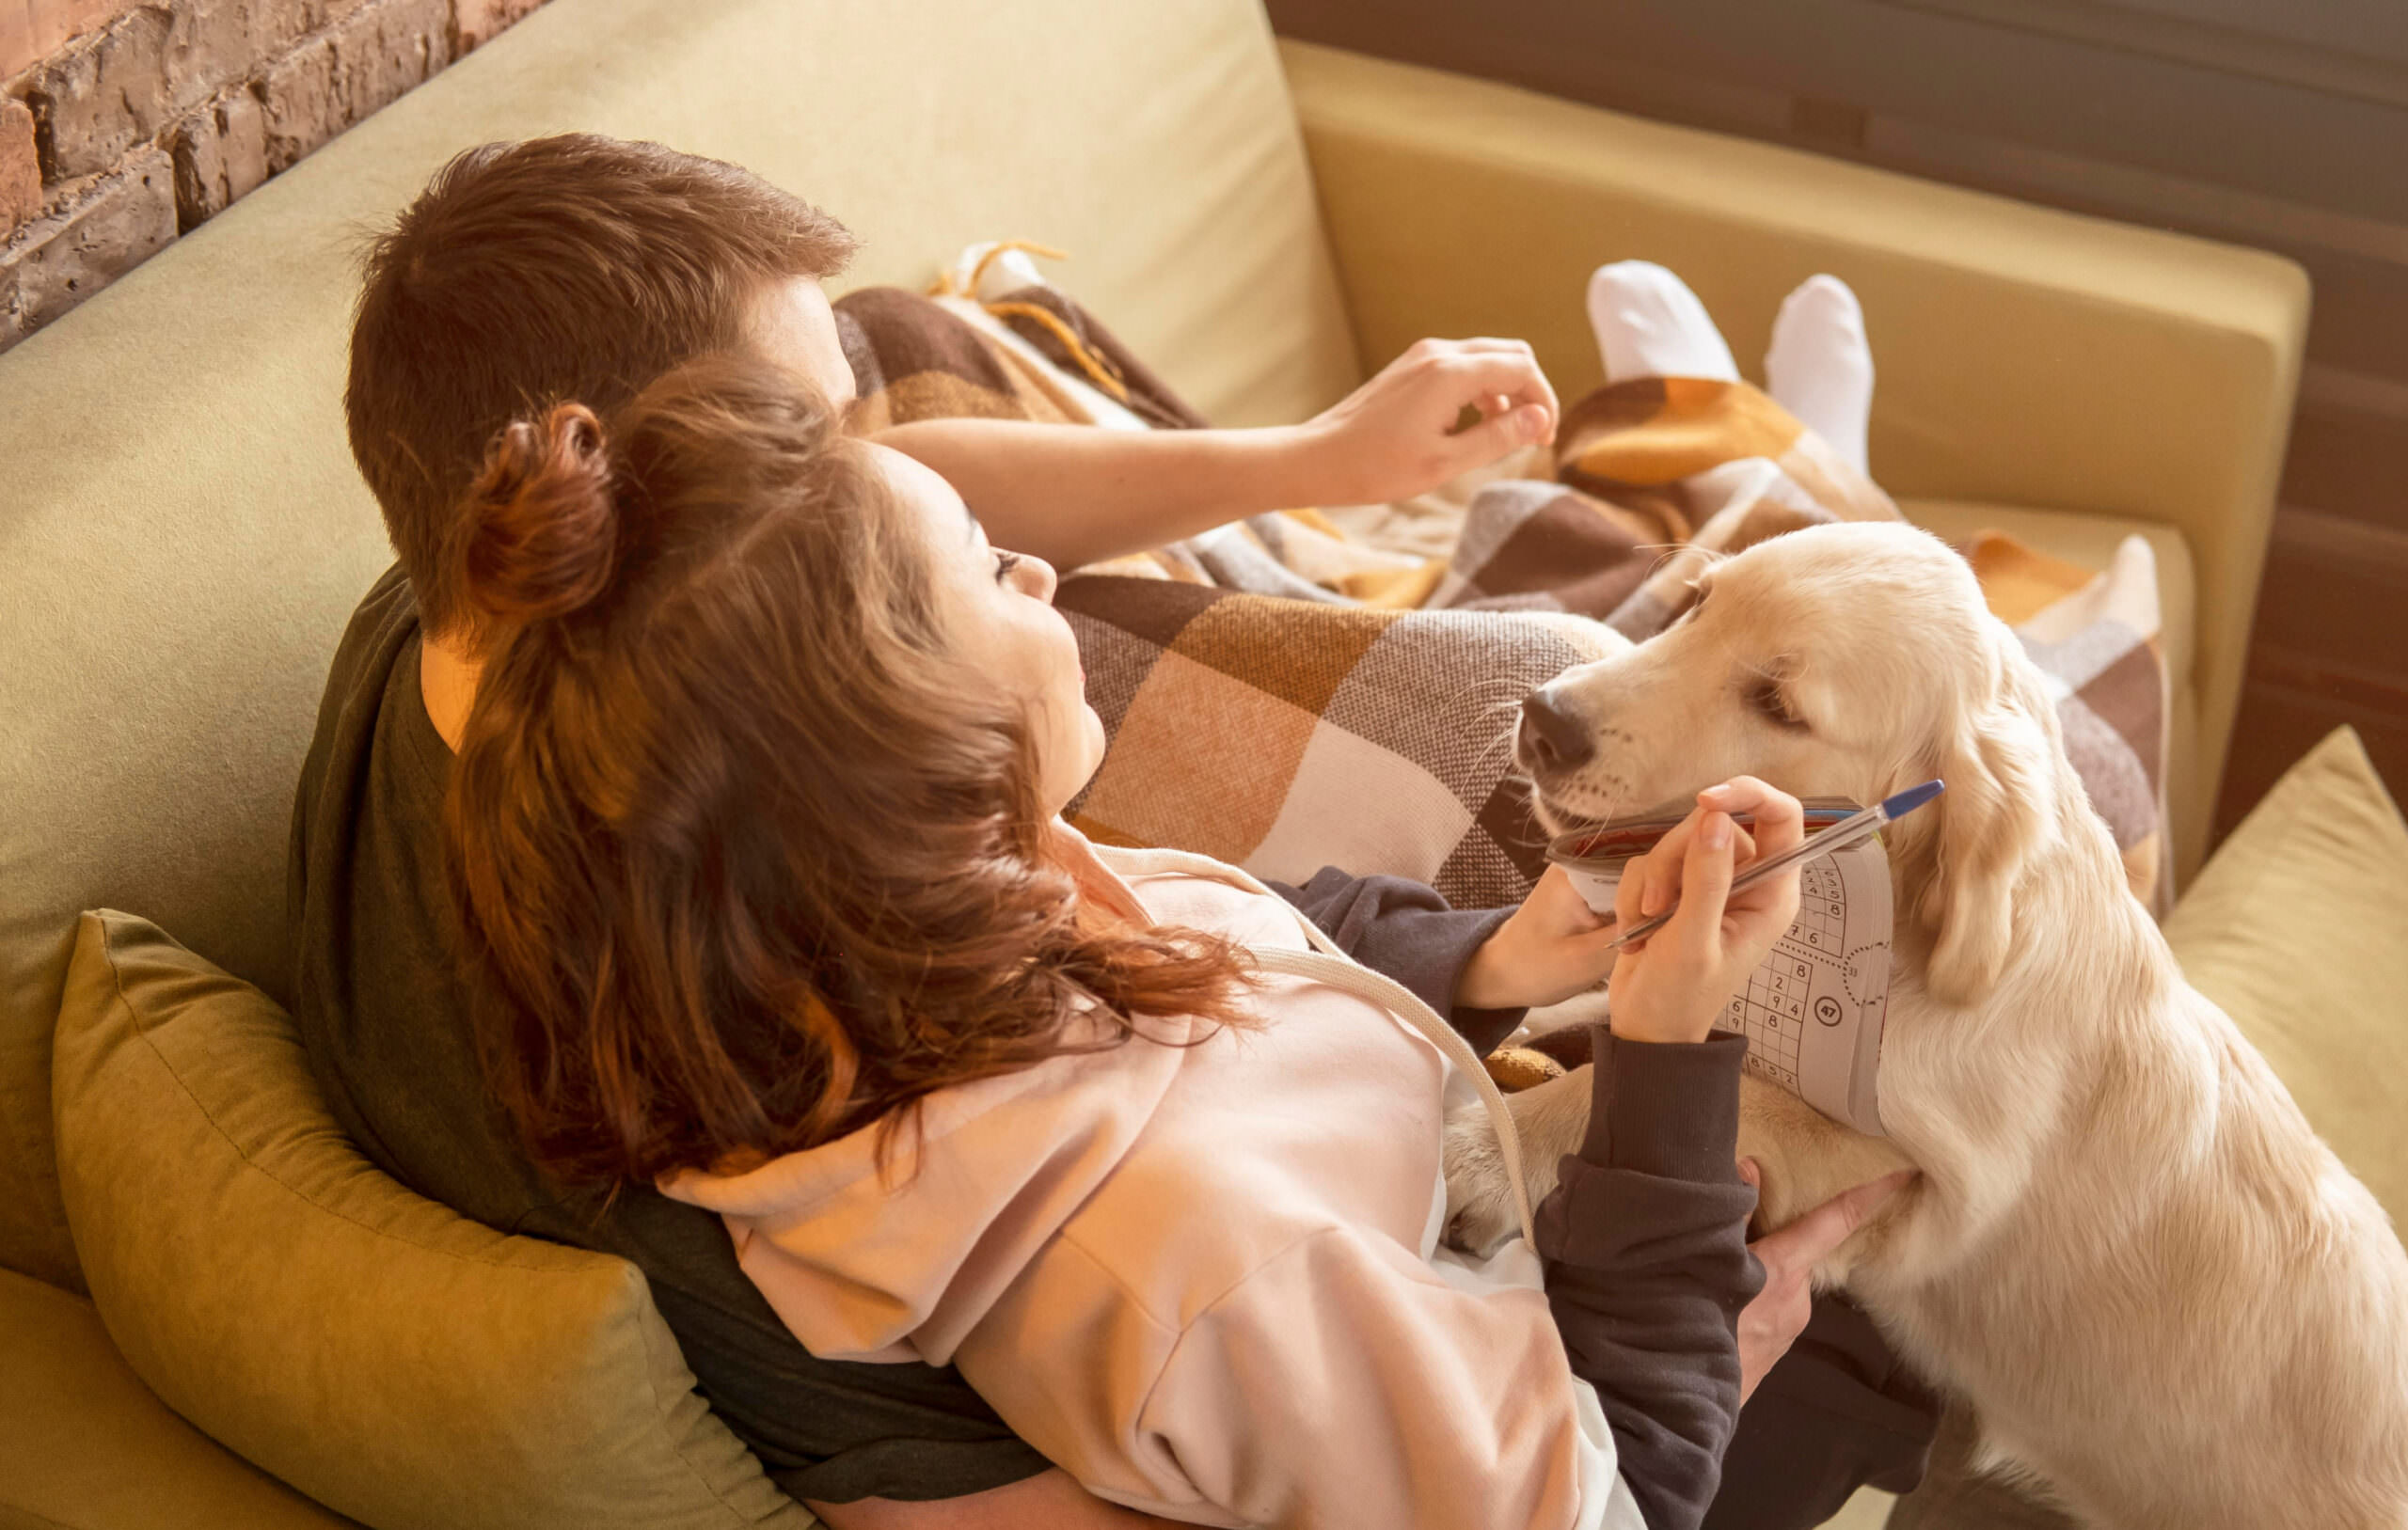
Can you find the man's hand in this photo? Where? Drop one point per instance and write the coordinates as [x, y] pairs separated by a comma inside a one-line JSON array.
[[1771, 1323], [1396, 436], [1553, 947]]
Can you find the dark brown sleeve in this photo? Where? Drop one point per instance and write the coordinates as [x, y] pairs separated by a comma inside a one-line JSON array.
[[1841, 1411], [1645, 1246], [1402, 930]]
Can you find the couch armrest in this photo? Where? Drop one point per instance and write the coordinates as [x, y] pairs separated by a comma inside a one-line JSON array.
[[2026, 357]]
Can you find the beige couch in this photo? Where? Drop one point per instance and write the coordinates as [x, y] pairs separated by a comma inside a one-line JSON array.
[[182, 534]]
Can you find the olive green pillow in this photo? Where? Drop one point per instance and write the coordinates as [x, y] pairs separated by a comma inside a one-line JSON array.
[[391, 1359]]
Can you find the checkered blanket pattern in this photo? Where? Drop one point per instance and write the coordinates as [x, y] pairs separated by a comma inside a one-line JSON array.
[[1283, 696]]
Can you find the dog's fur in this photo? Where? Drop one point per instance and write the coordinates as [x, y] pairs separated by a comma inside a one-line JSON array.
[[2165, 1299]]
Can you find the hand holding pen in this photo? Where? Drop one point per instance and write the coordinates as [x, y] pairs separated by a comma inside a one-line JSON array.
[[1853, 829], [1694, 926]]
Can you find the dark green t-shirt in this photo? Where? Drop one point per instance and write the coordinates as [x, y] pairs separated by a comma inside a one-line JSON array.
[[379, 1006]]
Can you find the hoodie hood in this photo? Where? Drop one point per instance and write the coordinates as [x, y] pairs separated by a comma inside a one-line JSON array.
[[898, 1263]]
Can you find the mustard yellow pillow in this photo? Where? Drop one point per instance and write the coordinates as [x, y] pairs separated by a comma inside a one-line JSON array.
[[389, 1358], [2298, 927]]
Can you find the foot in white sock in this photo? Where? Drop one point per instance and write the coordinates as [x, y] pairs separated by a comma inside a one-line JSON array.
[[1008, 272], [1820, 368], [1650, 324]]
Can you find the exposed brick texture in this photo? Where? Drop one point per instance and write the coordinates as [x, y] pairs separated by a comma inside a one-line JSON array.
[[167, 111], [19, 170], [32, 30], [103, 229], [474, 21], [323, 86], [220, 153]]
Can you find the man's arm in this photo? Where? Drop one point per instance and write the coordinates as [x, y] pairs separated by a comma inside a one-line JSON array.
[[1074, 495]]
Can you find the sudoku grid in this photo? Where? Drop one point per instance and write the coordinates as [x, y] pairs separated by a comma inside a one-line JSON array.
[[1771, 1012]]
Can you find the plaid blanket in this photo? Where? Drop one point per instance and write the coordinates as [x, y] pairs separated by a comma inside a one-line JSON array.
[[1285, 693]]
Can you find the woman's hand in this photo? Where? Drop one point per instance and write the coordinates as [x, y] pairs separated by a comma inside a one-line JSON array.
[[1770, 1324], [1396, 435], [1554, 946], [1668, 986]]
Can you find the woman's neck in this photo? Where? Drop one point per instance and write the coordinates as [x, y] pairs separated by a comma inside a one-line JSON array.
[[447, 683], [1097, 882]]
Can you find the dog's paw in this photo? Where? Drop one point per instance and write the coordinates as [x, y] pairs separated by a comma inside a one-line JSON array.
[[1549, 1120], [1590, 1008], [1480, 1195]]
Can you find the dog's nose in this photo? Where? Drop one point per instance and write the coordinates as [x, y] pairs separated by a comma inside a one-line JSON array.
[[1553, 735]]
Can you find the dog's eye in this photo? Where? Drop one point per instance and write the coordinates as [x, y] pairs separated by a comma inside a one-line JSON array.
[[1766, 697]]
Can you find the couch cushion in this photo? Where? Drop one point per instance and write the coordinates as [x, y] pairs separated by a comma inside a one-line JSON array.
[[383, 1355], [184, 530], [75, 1418], [2090, 541], [2295, 928]]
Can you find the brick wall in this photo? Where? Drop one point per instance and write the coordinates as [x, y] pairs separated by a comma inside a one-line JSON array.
[[124, 124]]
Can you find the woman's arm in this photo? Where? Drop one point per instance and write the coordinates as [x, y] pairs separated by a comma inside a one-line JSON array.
[[1644, 1241], [1483, 968], [1645, 1236], [1401, 929]]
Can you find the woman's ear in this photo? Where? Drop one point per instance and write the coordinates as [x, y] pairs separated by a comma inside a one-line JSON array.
[[1999, 767]]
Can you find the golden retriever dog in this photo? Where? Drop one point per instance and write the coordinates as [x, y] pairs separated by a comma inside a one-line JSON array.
[[2167, 1300]]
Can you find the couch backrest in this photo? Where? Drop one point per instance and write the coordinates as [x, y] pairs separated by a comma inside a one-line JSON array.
[[182, 531]]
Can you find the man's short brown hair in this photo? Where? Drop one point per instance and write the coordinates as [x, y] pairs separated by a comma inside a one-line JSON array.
[[571, 268]]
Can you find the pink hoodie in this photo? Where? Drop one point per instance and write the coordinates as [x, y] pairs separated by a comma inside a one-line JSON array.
[[1204, 1280]]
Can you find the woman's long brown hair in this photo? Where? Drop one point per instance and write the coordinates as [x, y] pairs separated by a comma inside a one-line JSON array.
[[743, 856]]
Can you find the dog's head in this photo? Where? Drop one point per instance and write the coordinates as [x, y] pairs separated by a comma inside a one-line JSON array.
[[1849, 660]]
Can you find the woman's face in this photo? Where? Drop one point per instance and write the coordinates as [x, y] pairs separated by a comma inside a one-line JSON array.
[[1000, 607]]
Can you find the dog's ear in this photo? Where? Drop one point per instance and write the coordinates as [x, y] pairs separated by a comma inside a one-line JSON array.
[[2000, 770]]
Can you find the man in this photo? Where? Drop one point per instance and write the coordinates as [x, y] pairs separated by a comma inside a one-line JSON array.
[[582, 268]]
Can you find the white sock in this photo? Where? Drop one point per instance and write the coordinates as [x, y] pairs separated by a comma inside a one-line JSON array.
[[1819, 366], [1008, 272], [1650, 324]]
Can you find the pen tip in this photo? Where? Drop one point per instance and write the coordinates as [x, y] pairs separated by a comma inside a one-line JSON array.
[[1911, 798]]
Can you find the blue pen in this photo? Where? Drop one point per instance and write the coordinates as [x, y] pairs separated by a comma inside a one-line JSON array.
[[1853, 829]]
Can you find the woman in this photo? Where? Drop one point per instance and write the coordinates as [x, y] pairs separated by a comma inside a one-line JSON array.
[[754, 843]]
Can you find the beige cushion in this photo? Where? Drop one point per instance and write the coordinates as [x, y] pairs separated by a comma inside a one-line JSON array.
[[2026, 357], [378, 1351], [185, 531], [2296, 928], [74, 1415]]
